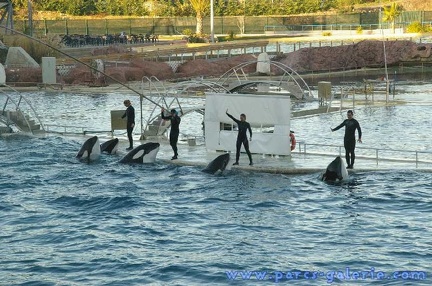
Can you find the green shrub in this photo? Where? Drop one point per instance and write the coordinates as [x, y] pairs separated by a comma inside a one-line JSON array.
[[187, 32], [415, 27], [195, 38]]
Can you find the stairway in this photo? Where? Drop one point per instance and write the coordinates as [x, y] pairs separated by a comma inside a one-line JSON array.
[[156, 127], [22, 121], [294, 89]]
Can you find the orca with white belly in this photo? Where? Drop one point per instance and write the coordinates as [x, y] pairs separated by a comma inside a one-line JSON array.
[[110, 146], [336, 171], [90, 150], [145, 153], [218, 164]]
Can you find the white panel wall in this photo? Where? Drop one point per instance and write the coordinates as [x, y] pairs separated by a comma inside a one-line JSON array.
[[49, 72], [260, 110]]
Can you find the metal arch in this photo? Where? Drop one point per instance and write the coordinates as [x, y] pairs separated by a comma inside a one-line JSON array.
[[6, 11], [219, 87], [19, 110], [283, 66], [151, 81], [238, 73], [213, 86], [199, 110], [174, 92], [159, 91], [248, 84], [184, 112], [158, 103]]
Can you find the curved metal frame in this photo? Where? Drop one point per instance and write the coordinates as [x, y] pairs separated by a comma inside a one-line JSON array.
[[219, 86], [237, 72], [173, 92], [17, 106]]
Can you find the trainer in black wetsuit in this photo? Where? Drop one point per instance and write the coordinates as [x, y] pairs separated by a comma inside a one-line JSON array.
[[243, 126], [130, 124], [175, 130], [349, 140]]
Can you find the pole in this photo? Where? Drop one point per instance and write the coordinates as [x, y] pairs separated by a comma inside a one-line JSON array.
[[45, 27], [385, 57], [142, 124], [30, 17], [66, 27], [211, 21]]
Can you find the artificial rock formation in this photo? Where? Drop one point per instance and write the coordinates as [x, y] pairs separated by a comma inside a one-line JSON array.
[[364, 54], [360, 55]]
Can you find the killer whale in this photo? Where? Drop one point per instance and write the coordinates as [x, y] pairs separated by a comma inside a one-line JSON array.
[[110, 146], [218, 164], [90, 150], [336, 171], [145, 153]]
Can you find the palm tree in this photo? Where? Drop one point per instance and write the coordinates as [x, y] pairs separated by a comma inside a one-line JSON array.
[[200, 7], [391, 13]]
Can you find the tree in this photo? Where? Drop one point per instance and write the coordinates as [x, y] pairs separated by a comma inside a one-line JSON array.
[[391, 13], [200, 7]]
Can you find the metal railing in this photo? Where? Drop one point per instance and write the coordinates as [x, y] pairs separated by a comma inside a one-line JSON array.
[[222, 24], [18, 108], [317, 27], [70, 129], [376, 154]]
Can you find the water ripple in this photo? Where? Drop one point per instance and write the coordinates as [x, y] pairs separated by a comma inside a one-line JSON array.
[[64, 222]]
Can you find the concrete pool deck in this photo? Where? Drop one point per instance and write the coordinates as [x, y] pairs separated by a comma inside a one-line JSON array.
[[297, 163]]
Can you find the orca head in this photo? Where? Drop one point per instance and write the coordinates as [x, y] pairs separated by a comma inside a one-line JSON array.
[[145, 153], [110, 146], [151, 150], [219, 164], [336, 170], [90, 150], [225, 161]]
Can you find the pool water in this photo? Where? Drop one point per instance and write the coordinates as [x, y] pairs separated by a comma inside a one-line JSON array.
[[64, 222]]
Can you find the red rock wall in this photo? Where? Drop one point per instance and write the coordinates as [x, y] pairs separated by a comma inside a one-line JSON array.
[[355, 56]]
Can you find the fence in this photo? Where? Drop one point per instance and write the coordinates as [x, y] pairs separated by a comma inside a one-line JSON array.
[[222, 24], [379, 155]]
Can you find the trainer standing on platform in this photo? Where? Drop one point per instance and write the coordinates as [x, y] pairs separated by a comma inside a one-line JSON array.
[[130, 124], [175, 129], [349, 140], [243, 126]]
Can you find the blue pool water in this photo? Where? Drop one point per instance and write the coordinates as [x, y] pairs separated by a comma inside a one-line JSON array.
[[63, 222], [68, 223]]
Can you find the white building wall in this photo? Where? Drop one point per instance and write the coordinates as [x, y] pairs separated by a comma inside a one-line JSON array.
[[261, 111]]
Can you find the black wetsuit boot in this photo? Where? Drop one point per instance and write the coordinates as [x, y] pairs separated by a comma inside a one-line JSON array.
[[349, 144], [347, 159], [238, 146], [129, 135], [352, 159], [246, 145], [173, 142]]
